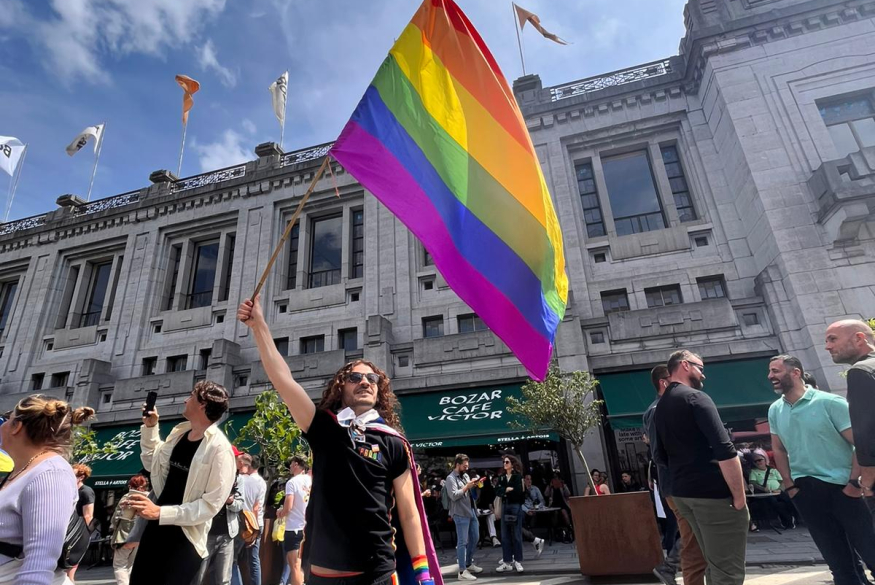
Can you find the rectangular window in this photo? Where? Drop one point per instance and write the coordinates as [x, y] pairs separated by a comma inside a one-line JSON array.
[[632, 191], [470, 323], [67, 298], [357, 258], [149, 366], [7, 298], [597, 337], [427, 260], [589, 200], [711, 287], [59, 380], [225, 290], [173, 271], [292, 277], [348, 339], [432, 326], [177, 363], [750, 319], [326, 251], [679, 188], [205, 355], [663, 296], [614, 301], [203, 275], [36, 381], [96, 294], [851, 123], [282, 345], [313, 344]]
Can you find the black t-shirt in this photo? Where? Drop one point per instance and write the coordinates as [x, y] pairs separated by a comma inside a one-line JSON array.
[[180, 462], [349, 527], [86, 496], [692, 439]]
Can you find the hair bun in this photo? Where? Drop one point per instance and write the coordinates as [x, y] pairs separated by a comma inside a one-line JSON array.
[[82, 414], [52, 406]]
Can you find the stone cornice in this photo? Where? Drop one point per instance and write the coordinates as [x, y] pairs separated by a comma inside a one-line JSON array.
[[688, 68]]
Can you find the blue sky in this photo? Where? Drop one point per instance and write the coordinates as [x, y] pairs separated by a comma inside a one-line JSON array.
[[68, 64]]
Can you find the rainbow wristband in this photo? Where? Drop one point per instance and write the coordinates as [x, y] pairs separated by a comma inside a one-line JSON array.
[[420, 569]]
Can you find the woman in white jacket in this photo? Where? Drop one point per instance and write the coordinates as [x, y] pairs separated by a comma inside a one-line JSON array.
[[192, 473]]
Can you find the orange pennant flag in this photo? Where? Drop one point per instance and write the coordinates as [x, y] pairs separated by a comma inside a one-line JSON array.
[[190, 87], [525, 16]]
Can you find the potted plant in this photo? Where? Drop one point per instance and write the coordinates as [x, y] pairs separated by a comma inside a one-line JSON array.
[[614, 534]]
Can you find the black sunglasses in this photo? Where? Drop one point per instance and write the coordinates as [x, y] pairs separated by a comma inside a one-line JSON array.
[[507, 462], [357, 377]]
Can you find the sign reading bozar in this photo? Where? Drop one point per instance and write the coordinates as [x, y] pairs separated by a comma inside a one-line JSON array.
[[431, 419]]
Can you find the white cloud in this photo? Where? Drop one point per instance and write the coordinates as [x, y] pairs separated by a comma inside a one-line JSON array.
[[607, 32], [209, 61], [248, 125], [231, 149], [81, 34]]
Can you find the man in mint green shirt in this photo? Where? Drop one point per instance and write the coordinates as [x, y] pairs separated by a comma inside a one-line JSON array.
[[813, 446]]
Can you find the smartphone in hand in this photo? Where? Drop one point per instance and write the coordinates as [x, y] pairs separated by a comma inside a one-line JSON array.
[[151, 398]]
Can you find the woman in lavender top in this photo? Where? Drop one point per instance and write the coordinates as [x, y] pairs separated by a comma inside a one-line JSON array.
[[39, 496]]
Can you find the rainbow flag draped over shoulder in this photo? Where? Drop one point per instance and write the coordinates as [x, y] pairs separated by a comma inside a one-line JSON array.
[[439, 139]]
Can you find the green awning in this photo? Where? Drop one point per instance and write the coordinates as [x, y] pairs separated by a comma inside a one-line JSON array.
[[739, 388], [114, 471], [472, 416]]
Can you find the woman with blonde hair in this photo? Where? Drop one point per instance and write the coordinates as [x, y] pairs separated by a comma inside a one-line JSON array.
[[38, 498]]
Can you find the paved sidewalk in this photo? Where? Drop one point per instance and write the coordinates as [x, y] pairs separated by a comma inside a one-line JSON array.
[[792, 547]]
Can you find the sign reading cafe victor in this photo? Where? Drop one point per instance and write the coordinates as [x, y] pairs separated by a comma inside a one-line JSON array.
[[473, 406]]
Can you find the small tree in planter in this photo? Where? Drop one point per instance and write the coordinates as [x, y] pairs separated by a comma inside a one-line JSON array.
[[564, 403], [615, 535]]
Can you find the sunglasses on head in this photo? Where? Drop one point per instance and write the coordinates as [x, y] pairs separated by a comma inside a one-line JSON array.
[[357, 377]]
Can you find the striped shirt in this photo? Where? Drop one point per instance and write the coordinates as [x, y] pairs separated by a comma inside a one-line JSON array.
[[35, 510]]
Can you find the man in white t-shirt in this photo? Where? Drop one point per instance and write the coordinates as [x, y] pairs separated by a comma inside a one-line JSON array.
[[254, 491], [294, 510]]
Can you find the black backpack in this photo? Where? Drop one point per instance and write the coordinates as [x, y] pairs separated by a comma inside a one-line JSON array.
[[75, 546]]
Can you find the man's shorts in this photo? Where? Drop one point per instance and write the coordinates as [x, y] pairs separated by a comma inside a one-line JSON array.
[[292, 540]]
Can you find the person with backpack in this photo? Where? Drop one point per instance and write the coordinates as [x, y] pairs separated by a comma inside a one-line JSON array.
[[38, 498]]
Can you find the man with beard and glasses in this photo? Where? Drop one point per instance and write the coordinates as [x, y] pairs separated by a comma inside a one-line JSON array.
[[813, 446], [707, 485], [852, 342], [365, 518]]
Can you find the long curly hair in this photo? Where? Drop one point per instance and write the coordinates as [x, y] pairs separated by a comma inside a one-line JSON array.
[[387, 403]]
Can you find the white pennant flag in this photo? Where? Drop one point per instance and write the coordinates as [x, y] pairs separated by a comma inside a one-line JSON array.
[[278, 93], [80, 141], [10, 153]]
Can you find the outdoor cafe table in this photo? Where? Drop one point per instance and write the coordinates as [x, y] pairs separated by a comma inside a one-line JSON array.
[[554, 513]]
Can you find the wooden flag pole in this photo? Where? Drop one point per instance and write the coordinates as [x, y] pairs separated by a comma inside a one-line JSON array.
[[289, 227]]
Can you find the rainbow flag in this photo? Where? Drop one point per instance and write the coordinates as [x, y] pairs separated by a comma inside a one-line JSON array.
[[439, 139]]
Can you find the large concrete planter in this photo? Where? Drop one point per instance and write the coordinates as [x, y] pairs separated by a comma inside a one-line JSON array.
[[616, 534]]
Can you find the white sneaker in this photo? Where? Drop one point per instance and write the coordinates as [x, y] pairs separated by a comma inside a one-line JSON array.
[[466, 576], [504, 567], [495, 541], [474, 568], [517, 567], [539, 545]]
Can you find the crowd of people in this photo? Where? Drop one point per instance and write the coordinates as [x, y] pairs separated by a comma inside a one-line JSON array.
[[358, 517]]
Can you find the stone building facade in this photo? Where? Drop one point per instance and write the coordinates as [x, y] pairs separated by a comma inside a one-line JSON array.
[[721, 200]]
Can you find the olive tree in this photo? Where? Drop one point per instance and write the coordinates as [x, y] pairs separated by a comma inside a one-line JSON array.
[[564, 402]]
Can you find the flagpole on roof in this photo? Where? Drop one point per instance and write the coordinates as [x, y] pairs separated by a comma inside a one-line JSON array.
[[181, 150], [13, 184], [96, 159], [285, 110], [519, 42]]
